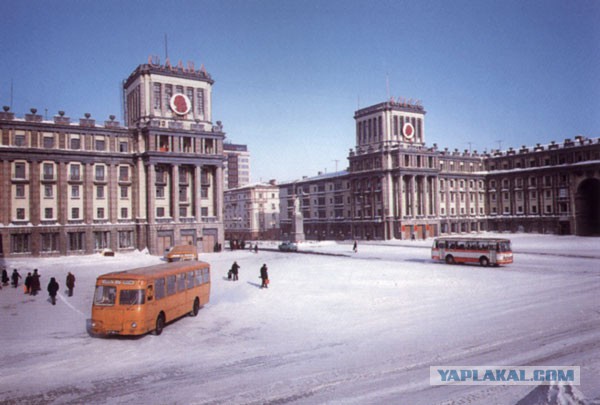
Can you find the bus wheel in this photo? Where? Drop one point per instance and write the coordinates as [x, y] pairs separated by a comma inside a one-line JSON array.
[[160, 325], [195, 308], [450, 259], [484, 261]]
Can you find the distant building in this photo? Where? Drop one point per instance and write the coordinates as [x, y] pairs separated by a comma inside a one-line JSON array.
[[77, 187], [237, 165], [396, 187], [252, 212]]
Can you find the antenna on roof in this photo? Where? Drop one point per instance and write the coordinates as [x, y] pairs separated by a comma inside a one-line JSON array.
[[11, 93], [166, 48], [387, 85]]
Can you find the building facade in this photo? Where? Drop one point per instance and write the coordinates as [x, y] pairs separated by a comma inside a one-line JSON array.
[[396, 187], [252, 212], [77, 187], [237, 165]]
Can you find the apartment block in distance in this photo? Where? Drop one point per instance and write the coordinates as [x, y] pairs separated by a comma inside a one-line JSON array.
[[81, 186], [237, 165]]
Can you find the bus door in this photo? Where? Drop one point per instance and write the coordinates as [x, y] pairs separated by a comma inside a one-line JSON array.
[[493, 249], [441, 245]]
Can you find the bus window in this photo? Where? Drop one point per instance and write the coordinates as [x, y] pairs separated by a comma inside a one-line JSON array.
[[181, 282], [171, 285], [441, 244], [504, 247], [159, 288], [131, 297], [105, 295], [190, 280], [205, 276], [198, 277]]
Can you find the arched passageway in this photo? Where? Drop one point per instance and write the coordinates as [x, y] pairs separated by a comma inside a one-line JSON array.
[[587, 208]]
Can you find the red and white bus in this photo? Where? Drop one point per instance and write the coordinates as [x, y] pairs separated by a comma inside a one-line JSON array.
[[485, 251]]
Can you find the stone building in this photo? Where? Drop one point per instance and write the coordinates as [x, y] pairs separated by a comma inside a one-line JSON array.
[[252, 212], [397, 187], [237, 165], [552, 188], [75, 187]]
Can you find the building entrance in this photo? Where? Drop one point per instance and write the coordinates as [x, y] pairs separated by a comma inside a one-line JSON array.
[[587, 208]]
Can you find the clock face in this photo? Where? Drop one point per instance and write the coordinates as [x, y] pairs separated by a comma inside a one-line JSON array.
[[180, 104], [408, 130]]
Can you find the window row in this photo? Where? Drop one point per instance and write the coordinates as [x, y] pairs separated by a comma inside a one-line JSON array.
[[99, 143]]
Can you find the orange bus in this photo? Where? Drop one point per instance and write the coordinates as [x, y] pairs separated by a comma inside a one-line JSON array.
[[142, 300], [484, 251]]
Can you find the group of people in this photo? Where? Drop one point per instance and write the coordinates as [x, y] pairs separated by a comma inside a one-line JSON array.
[[32, 283], [233, 273]]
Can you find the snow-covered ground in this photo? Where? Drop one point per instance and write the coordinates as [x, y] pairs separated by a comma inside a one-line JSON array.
[[335, 327]]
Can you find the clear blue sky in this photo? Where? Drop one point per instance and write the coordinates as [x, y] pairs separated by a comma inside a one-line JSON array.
[[290, 74]]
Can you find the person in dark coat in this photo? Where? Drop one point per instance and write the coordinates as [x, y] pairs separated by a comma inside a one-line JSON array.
[[355, 247], [15, 278], [234, 271], [4, 277], [264, 275], [28, 283], [35, 282], [52, 290], [70, 283]]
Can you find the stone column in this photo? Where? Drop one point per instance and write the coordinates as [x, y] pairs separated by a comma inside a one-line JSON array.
[[175, 193], [197, 194]]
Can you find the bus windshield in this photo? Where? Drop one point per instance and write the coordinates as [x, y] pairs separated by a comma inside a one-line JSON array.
[[504, 247], [105, 295], [132, 297]]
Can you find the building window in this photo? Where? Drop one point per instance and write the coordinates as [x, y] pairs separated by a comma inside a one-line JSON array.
[[200, 104], [75, 173], [168, 95], [160, 192], [20, 190], [123, 173], [74, 191], [100, 192], [125, 239], [160, 212], [75, 143], [183, 212], [100, 144], [76, 241], [74, 213], [101, 240], [124, 213], [48, 213], [123, 146], [157, 96], [100, 173], [100, 213], [19, 243], [124, 192], [48, 191], [20, 213], [48, 142], [20, 140], [49, 242], [48, 169]]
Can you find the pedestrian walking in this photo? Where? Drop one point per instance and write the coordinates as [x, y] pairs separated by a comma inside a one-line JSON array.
[[264, 275], [52, 290], [28, 283], [234, 271], [35, 282], [15, 278], [256, 248], [70, 283], [4, 277], [355, 247]]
